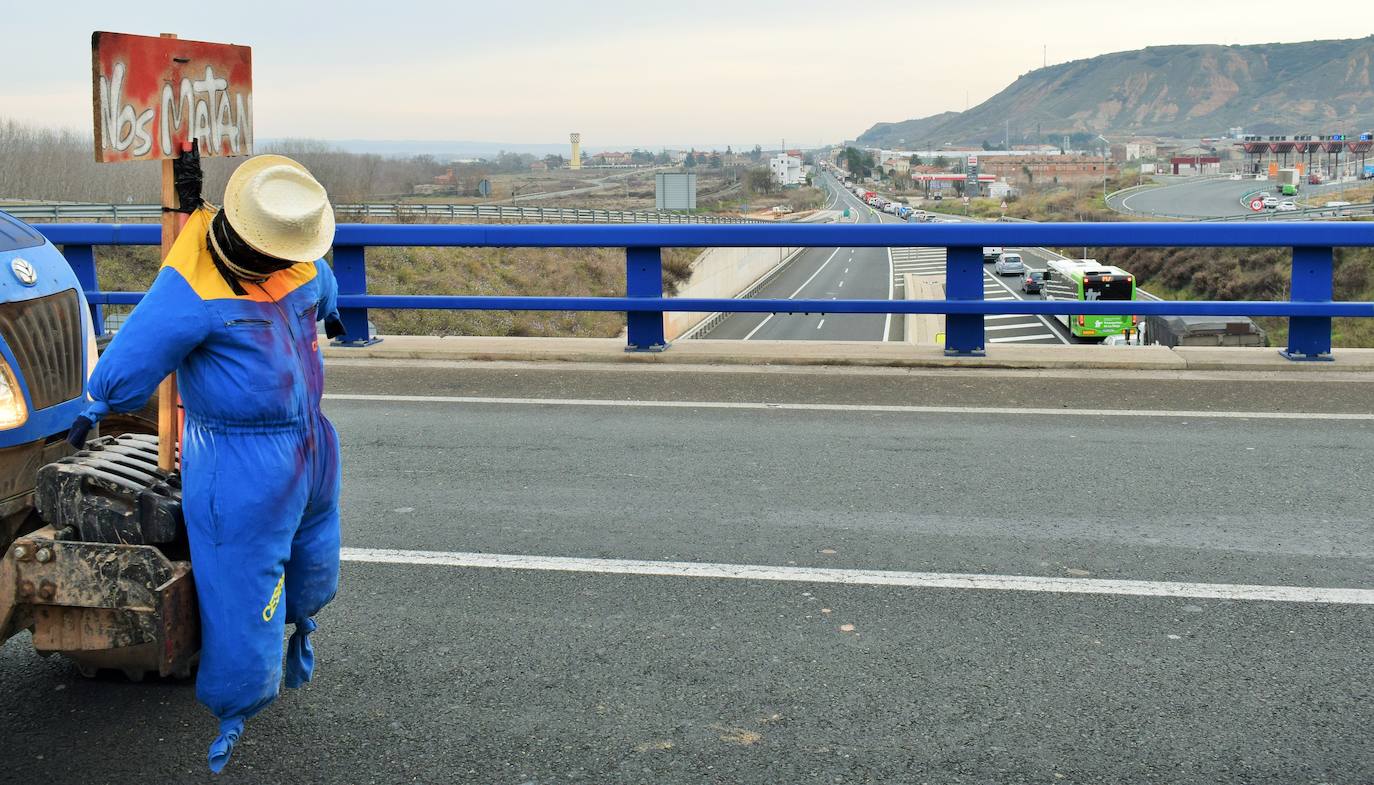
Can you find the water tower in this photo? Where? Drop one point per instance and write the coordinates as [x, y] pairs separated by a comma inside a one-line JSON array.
[[576, 161]]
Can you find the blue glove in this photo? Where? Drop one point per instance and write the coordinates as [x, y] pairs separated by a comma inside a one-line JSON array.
[[222, 747], [81, 427]]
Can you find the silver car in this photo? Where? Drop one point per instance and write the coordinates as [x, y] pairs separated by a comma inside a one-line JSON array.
[[1009, 264]]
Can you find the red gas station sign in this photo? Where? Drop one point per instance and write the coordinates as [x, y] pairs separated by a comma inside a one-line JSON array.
[[151, 94]]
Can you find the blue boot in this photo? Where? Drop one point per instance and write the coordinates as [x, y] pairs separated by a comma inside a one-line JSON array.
[[300, 655], [223, 747]]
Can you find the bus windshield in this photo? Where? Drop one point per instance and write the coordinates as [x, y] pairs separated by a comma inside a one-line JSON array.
[[1116, 289]]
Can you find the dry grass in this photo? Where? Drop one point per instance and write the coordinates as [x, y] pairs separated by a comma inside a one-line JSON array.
[[568, 272]]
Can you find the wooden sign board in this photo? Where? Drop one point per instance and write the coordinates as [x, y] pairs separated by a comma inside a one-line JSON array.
[[152, 94]]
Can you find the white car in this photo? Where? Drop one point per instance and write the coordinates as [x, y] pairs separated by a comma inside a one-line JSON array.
[[1287, 206], [1270, 203], [1235, 177], [991, 254], [1009, 264]]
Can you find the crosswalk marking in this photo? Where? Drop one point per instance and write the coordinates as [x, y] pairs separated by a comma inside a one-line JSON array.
[[1008, 328]]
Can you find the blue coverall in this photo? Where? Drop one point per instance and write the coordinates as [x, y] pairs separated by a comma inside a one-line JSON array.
[[259, 460]]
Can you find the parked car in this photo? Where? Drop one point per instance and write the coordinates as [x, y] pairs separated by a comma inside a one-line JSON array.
[[1032, 281], [1288, 206], [991, 254], [1009, 264]]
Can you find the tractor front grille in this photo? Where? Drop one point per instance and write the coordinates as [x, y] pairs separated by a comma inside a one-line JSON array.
[[46, 338]]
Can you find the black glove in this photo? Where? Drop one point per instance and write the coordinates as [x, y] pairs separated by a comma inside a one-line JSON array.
[[334, 326], [82, 426], [189, 179]]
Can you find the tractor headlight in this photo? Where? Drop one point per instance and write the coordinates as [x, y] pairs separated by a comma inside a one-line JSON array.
[[92, 351], [13, 411]]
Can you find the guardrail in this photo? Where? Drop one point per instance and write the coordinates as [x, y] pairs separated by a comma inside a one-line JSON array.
[[1302, 213], [394, 211], [1309, 309]]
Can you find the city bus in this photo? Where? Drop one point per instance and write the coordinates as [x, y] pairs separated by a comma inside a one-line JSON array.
[[1087, 280]]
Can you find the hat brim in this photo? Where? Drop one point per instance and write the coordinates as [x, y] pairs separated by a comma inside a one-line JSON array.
[[291, 247]]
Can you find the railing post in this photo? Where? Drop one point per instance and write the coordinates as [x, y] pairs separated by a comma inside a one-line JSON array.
[[1309, 337], [82, 261], [964, 281], [350, 270], [644, 278]]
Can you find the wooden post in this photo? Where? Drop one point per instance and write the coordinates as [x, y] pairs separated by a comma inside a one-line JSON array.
[[167, 430]]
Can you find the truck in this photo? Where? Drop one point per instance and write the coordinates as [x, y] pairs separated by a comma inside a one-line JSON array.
[[1174, 331], [94, 560], [1288, 181]]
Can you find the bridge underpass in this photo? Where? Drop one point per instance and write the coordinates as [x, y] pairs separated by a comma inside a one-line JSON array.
[[530, 672]]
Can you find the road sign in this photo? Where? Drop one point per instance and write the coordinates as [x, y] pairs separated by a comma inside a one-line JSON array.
[[1257, 204], [152, 94], [1004, 204], [484, 187]]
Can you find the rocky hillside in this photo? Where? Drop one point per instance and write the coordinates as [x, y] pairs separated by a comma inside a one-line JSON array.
[[1311, 87]]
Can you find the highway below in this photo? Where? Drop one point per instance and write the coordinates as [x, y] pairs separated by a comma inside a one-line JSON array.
[[566, 573], [825, 274]]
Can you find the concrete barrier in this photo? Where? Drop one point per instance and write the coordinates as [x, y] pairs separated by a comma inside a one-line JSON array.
[[722, 273], [924, 329]]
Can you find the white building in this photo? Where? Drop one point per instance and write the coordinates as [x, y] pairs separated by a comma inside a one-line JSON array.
[[786, 169]]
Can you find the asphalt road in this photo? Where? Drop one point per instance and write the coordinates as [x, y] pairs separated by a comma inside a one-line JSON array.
[[824, 274], [1211, 198], [436, 674]]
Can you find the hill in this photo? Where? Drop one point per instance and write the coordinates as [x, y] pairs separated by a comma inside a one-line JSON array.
[[1310, 87]]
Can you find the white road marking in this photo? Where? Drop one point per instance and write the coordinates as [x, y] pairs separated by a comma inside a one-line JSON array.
[[1040, 318], [891, 290], [821, 323], [847, 407], [793, 296], [853, 577], [1021, 338], [841, 286]]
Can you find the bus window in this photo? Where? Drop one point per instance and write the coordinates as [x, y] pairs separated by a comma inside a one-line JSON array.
[[1116, 289]]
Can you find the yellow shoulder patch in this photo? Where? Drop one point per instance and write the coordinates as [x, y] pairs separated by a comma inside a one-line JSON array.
[[191, 257]]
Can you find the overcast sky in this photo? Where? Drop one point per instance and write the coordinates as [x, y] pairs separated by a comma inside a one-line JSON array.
[[622, 72]]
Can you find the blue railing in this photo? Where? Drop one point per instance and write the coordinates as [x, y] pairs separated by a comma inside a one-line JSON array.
[[1309, 309]]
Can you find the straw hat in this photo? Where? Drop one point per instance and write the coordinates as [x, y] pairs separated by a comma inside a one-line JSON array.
[[279, 209]]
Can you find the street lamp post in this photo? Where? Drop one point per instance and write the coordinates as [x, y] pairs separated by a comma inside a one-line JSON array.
[[1105, 145]]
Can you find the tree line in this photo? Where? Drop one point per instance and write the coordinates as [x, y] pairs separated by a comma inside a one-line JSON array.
[[59, 165]]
